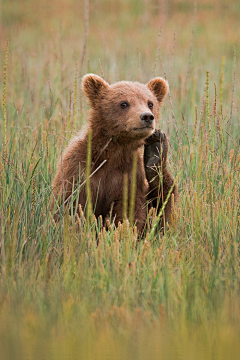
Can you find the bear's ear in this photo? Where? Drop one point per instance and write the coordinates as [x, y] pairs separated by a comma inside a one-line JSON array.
[[159, 88], [92, 86]]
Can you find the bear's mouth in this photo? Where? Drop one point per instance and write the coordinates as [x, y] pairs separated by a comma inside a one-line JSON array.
[[144, 128], [142, 132]]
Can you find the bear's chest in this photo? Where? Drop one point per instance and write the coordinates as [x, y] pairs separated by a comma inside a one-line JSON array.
[[109, 183]]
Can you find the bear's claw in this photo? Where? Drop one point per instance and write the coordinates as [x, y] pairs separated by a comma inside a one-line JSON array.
[[155, 150], [156, 136]]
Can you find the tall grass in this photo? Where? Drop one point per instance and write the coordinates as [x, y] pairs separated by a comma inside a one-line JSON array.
[[172, 296]]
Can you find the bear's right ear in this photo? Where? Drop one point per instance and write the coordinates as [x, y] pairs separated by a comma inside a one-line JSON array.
[[92, 86]]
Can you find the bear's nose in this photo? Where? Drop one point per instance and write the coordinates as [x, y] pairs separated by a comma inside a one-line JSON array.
[[147, 118]]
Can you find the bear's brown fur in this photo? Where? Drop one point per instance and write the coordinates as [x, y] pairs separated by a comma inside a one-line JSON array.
[[122, 116]]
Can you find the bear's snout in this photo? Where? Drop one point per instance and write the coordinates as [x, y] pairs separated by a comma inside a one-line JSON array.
[[147, 118]]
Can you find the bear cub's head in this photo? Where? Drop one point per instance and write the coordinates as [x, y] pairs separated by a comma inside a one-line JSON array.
[[125, 110]]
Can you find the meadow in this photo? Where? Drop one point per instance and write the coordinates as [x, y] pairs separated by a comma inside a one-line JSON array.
[[171, 296]]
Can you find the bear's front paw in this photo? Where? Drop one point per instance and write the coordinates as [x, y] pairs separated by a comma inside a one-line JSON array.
[[155, 150]]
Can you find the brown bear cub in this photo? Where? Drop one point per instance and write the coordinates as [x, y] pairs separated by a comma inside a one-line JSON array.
[[122, 120]]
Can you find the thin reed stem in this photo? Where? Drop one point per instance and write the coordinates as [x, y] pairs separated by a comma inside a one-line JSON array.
[[158, 218], [133, 188], [75, 97], [4, 94], [125, 196], [88, 170], [221, 85], [86, 29]]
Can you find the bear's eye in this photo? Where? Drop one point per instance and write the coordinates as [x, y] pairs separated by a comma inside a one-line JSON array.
[[124, 104], [150, 105]]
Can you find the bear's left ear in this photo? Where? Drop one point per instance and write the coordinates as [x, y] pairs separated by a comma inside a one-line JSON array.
[[159, 88], [92, 86]]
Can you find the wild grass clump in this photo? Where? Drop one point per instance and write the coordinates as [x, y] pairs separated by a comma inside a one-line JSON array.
[[82, 290]]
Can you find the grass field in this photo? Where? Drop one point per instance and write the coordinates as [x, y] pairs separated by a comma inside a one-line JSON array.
[[61, 296]]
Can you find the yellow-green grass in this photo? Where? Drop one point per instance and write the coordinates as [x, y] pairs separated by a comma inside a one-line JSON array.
[[165, 297]]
